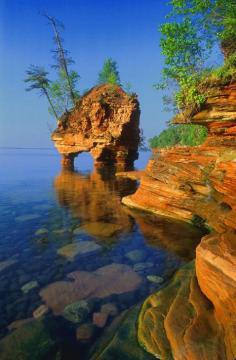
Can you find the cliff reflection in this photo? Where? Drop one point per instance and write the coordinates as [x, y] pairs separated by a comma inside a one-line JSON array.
[[95, 199], [176, 236]]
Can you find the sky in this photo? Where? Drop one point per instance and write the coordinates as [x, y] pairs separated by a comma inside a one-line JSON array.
[[125, 30]]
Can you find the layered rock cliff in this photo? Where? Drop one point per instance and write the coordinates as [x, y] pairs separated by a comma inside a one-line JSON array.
[[199, 183], [105, 122]]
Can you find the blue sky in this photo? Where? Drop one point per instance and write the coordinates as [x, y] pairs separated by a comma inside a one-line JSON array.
[[126, 30]]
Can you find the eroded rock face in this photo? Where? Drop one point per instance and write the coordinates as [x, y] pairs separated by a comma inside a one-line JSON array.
[[178, 322], [181, 182], [105, 123]]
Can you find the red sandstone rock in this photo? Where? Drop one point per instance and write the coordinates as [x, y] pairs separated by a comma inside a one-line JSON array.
[[181, 182], [105, 122]]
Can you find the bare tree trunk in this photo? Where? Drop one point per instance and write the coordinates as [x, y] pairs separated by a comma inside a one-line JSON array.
[[51, 105], [61, 54]]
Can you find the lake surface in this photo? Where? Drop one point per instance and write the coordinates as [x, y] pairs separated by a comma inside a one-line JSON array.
[[71, 251]]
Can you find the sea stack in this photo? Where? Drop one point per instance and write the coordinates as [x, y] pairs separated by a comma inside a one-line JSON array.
[[105, 122]]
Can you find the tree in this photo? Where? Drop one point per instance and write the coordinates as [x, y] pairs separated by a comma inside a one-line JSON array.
[[59, 91], [109, 73], [37, 79], [194, 28], [67, 80]]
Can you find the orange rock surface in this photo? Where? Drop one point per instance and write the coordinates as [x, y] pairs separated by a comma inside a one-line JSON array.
[[181, 182], [105, 122]]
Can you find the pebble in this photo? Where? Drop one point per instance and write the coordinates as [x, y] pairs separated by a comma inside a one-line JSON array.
[[41, 231], [135, 256], [155, 279], [109, 309], [100, 319], [84, 332], [40, 311], [29, 286]]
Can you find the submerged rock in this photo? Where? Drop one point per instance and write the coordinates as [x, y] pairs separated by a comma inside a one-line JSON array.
[[29, 286], [81, 247], [136, 256], [77, 312], [143, 266], [101, 229], [30, 341], [41, 231], [155, 279], [100, 319], [7, 263], [18, 323], [84, 332], [177, 322], [109, 309], [40, 311], [119, 340], [27, 217], [105, 281]]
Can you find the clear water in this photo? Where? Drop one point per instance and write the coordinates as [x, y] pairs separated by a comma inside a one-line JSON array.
[[48, 215]]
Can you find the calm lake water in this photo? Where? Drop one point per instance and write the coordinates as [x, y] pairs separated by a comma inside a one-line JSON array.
[[67, 243]]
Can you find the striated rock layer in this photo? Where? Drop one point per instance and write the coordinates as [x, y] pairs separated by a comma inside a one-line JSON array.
[[183, 182], [105, 122]]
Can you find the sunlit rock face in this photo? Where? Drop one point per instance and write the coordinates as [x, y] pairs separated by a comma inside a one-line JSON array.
[[105, 122], [183, 182]]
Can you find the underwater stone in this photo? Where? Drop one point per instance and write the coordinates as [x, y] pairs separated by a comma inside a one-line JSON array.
[[101, 229], [84, 332], [40, 311], [136, 256], [29, 286], [77, 312], [142, 266], [155, 279], [41, 231], [82, 247]]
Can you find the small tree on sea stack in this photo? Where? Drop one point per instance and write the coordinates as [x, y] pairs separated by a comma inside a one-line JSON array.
[[37, 79], [109, 73], [67, 78]]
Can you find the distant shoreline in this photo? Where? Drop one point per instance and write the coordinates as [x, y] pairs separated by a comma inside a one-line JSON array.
[[25, 148]]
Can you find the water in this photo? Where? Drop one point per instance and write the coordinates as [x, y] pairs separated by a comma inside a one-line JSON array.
[[66, 238]]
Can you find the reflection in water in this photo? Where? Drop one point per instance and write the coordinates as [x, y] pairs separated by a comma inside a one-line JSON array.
[[95, 200], [85, 256], [175, 236]]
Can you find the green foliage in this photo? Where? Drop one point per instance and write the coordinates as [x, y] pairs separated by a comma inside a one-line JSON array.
[[224, 74], [62, 93], [37, 79], [109, 73], [59, 91], [190, 135], [195, 26]]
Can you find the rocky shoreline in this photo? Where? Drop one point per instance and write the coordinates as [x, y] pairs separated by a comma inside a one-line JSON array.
[[196, 184]]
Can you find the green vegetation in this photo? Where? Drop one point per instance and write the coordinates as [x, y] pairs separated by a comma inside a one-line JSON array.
[[190, 135], [195, 27], [38, 80], [61, 93], [109, 73]]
